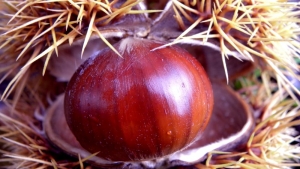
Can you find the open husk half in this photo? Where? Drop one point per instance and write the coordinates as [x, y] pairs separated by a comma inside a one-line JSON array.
[[229, 108]]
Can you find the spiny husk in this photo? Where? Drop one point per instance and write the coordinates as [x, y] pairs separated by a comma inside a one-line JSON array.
[[268, 147], [269, 30], [31, 30], [273, 143], [25, 148], [263, 29]]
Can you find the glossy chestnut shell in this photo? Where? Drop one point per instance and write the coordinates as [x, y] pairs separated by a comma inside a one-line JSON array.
[[143, 105]]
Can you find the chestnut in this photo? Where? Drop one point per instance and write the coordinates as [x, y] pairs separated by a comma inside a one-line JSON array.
[[141, 106]]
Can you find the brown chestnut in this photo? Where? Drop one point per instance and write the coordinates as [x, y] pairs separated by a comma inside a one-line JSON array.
[[141, 106]]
